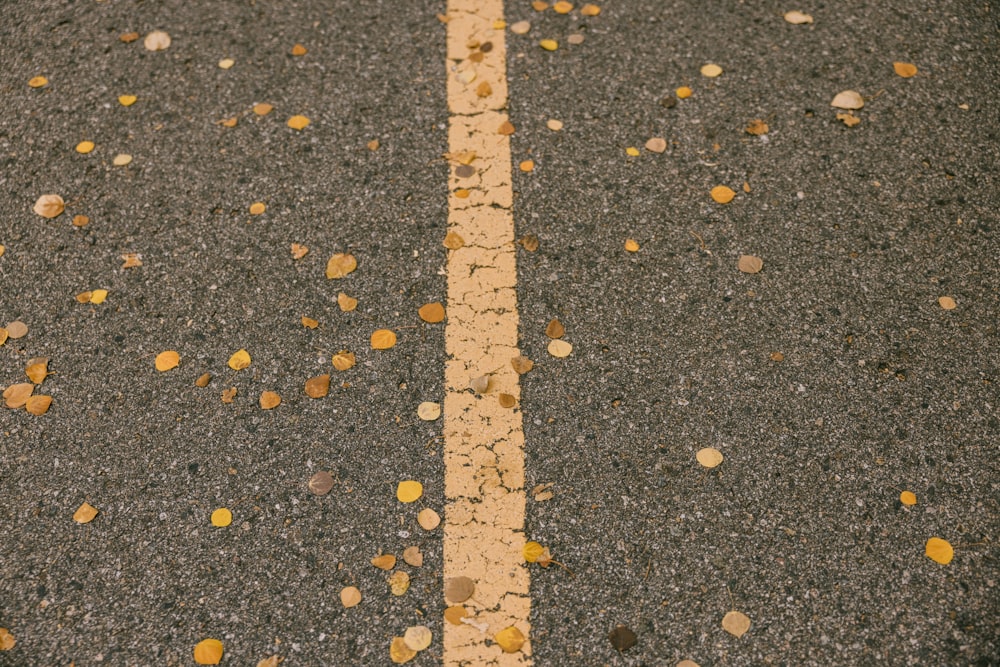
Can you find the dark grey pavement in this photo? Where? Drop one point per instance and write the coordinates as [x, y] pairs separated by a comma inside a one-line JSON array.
[[860, 229]]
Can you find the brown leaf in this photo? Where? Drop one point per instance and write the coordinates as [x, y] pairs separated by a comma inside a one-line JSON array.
[[522, 364], [299, 251], [37, 369], [459, 589], [750, 264], [455, 614], [555, 329], [506, 128], [736, 623], [309, 322], [85, 513], [318, 387], [16, 395], [384, 562], [321, 483], [350, 597], [622, 638], [38, 404], [529, 242], [228, 395], [269, 400], [203, 380], [346, 303], [757, 127], [413, 556], [7, 640], [905, 70], [453, 241], [506, 400]]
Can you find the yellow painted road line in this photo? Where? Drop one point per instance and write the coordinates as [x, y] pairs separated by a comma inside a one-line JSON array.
[[483, 442]]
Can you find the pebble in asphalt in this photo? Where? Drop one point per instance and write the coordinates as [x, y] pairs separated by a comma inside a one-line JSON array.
[[861, 230]]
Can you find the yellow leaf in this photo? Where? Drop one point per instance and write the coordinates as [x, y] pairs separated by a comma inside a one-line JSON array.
[[16, 395], [269, 400], [298, 122], [340, 265], [222, 517], [939, 551], [399, 652], [510, 639], [85, 513], [722, 194], [452, 241], [49, 206], [257, 208], [631, 245], [262, 108], [38, 405], [299, 50], [229, 122], [908, 498], [299, 251], [309, 322], [736, 623], [428, 519], [709, 457], [683, 93], [239, 360], [344, 360], [384, 562], [208, 652], [432, 313], [98, 296], [3, 335], [711, 70], [127, 100], [527, 166], [37, 369], [84, 147], [7, 640], [590, 10], [167, 360], [563, 7], [203, 380], [350, 597], [409, 491], [905, 70], [346, 303], [383, 339], [429, 411], [399, 583], [318, 387], [532, 550], [455, 614], [632, 151], [38, 82], [549, 44]]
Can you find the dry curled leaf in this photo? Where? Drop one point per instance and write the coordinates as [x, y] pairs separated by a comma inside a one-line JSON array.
[[131, 260], [797, 18], [239, 360], [49, 206], [736, 623], [622, 638], [750, 264], [269, 400], [318, 387], [37, 369], [7, 640], [167, 360], [344, 360], [228, 395], [208, 652], [309, 322], [383, 339], [459, 589], [848, 119], [340, 264], [158, 41], [428, 519], [85, 513]]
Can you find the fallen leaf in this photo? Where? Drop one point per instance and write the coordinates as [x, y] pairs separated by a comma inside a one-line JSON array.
[[428, 519], [203, 380], [272, 661], [506, 400], [221, 517], [84, 147], [230, 122], [480, 384], [17, 329], [848, 119], [3, 335], [908, 498], [622, 638], [344, 360], [757, 127], [459, 589], [750, 264], [848, 99], [37, 369], [939, 551], [529, 242], [262, 108], [559, 348], [384, 562], [709, 457], [228, 395], [127, 100], [346, 303], [777, 357], [372, 145], [122, 160], [631, 245], [947, 303], [539, 5], [318, 387], [83, 297], [383, 339], [563, 7], [905, 70], [484, 89], [257, 208], [321, 483], [298, 122], [532, 551], [350, 597], [7, 640], [510, 639], [798, 18], [520, 28], [722, 194], [49, 206], [299, 251], [98, 296], [399, 652], [418, 637], [226, 63], [340, 264], [429, 411], [399, 583], [269, 400], [299, 50], [549, 44], [554, 125], [309, 322], [527, 166], [656, 145], [711, 70], [208, 652], [85, 513], [79, 221], [555, 329], [413, 557], [453, 241], [432, 313], [409, 491], [687, 663], [736, 623], [17, 395], [158, 41], [455, 614], [129, 37], [167, 360], [38, 82], [683, 93], [506, 128], [38, 405], [590, 10], [131, 260], [239, 360], [522, 364]]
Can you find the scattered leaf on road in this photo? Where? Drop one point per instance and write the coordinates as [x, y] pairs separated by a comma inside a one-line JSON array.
[[321, 483], [947, 303], [848, 99], [413, 557], [709, 457], [736, 623], [622, 638], [383, 339], [905, 70], [350, 597], [418, 637], [798, 18], [49, 206], [711, 70], [239, 360], [158, 41], [384, 562], [750, 264], [7, 640], [208, 652], [939, 551], [559, 348], [432, 313], [318, 387], [399, 583], [908, 498], [344, 360], [409, 491], [722, 194], [340, 264], [656, 145], [429, 411], [399, 652], [221, 517], [38, 405], [85, 513], [298, 122], [167, 360], [346, 303], [269, 400], [428, 519], [510, 639], [459, 589]]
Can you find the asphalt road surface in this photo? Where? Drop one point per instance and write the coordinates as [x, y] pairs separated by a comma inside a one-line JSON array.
[[831, 381]]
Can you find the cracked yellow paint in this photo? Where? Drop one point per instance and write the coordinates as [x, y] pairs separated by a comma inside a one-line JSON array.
[[483, 442]]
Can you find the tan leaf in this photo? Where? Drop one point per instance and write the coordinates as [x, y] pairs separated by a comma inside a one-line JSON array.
[[383, 339], [131, 260], [49, 206], [947, 303], [346, 303], [520, 28], [736, 623], [413, 557], [203, 380], [428, 519], [343, 360], [350, 597], [16, 395], [750, 264], [340, 265], [848, 119], [429, 411], [559, 348], [529, 242], [272, 661], [709, 457], [122, 160], [905, 70], [757, 127], [37, 369], [522, 364], [7, 640], [453, 241], [85, 513], [156, 41], [318, 387], [384, 562], [309, 322], [459, 589], [432, 313], [848, 99], [269, 400], [17, 329], [798, 18], [399, 583], [228, 395], [399, 652], [555, 329], [418, 637], [506, 128], [262, 108], [711, 70], [38, 404]]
